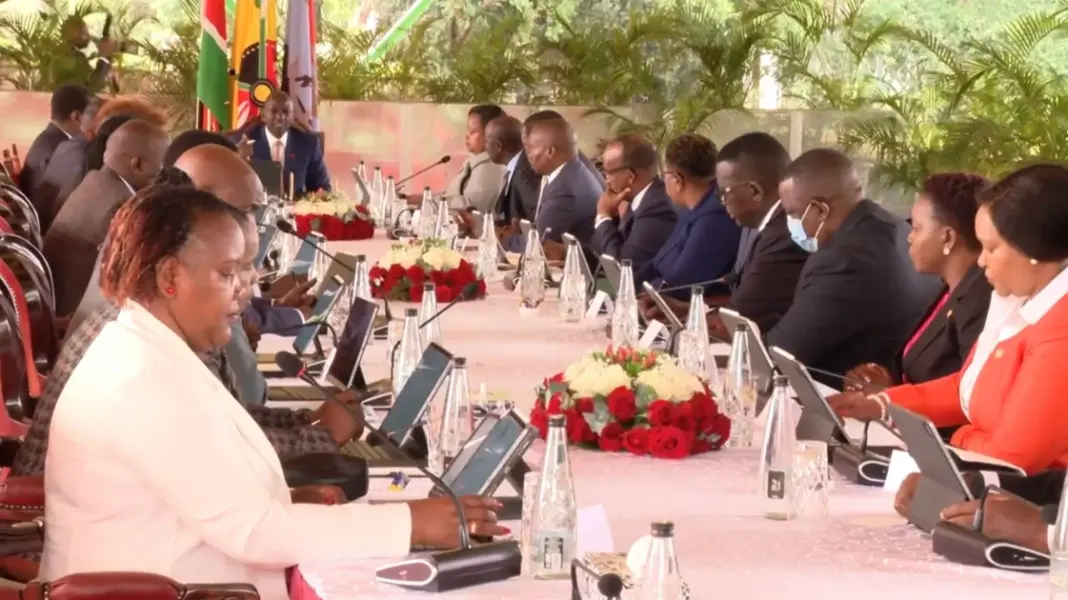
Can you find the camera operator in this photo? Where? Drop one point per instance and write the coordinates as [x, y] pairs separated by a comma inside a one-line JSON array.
[[78, 70]]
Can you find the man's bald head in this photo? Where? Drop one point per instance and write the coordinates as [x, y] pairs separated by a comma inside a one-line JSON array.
[[821, 188], [223, 172], [504, 139], [135, 152], [549, 144]]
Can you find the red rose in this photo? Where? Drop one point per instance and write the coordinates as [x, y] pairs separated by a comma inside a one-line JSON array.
[[636, 441], [458, 290], [621, 404], [611, 439], [699, 445], [660, 412], [438, 277], [331, 227], [415, 275], [683, 417], [415, 293], [303, 224], [539, 420], [578, 430], [395, 272], [669, 442], [558, 378], [703, 406], [376, 272], [554, 404], [584, 405], [444, 293], [721, 426]]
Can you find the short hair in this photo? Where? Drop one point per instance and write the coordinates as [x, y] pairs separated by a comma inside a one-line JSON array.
[[542, 116], [692, 154], [94, 151], [187, 140], [486, 113], [638, 151], [955, 200], [819, 162], [172, 175], [278, 96], [1029, 210], [137, 107], [763, 155], [69, 98], [152, 226], [509, 132]]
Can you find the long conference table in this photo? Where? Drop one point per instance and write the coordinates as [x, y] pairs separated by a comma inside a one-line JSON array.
[[725, 547]]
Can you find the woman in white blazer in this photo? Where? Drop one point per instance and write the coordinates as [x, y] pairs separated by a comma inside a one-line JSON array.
[[152, 466]]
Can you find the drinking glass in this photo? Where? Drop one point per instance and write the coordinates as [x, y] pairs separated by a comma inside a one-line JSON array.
[[810, 479]]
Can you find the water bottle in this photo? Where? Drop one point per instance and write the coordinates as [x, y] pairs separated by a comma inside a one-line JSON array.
[[555, 520], [693, 342], [625, 329], [409, 351], [661, 579], [424, 224], [573, 285], [452, 424], [442, 223], [389, 202], [378, 197], [740, 390], [487, 249], [361, 278], [532, 273], [1058, 551], [777, 456], [427, 309]]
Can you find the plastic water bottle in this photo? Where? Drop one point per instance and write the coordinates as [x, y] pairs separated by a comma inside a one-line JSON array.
[[740, 390], [661, 579], [555, 520], [573, 285], [625, 327], [777, 456]]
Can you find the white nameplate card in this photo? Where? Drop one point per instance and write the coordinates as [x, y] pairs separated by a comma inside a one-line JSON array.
[[594, 531], [600, 299], [901, 466], [652, 332]]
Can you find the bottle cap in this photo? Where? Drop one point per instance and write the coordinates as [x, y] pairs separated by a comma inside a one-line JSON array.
[[459, 361], [625, 263], [411, 312], [557, 420], [361, 258], [663, 529], [697, 290], [741, 328], [426, 188], [780, 381], [428, 286]]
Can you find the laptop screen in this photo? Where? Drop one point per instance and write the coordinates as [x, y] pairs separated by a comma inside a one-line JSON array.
[[353, 341], [485, 454], [322, 308], [267, 235], [411, 402], [302, 262]]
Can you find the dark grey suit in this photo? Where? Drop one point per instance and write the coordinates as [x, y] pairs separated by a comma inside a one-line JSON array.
[[37, 159], [569, 204], [64, 172], [638, 235], [857, 298]]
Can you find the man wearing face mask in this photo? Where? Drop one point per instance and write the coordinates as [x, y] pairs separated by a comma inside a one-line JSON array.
[[635, 215], [858, 296]]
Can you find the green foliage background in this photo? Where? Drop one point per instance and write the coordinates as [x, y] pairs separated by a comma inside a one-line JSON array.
[[923, 85]]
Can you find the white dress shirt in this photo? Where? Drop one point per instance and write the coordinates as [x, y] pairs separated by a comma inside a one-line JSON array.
[[152, 466], [634, 204], [272, 142], [1007, 317], [771, 213]]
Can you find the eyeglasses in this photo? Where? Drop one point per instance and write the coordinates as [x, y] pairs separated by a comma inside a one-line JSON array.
[[608, 171]]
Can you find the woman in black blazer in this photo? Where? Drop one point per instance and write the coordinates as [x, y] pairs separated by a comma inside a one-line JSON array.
[[942, 242]]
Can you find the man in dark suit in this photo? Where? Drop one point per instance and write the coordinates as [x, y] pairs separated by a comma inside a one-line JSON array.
[[858, 295], [704, 244], [133, 157], [569, 192], [299, 152], [69, 103], [76, 69], [519, 193], [635, 216]]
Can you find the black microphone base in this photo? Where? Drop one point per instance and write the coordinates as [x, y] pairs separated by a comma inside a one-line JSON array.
[[859, 467], [968, 547], [455, 569]]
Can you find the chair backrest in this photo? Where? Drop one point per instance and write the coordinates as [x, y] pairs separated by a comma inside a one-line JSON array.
[[24, 268], [20, 213], [14, 388], [133, 586]]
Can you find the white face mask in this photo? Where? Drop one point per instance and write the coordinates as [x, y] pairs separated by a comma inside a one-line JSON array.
[[796, 226]]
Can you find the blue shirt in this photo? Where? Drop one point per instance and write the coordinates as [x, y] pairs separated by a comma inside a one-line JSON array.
[[702, 248]]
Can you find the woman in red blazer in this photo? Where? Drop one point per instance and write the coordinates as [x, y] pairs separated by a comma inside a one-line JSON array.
[[1011, 396]]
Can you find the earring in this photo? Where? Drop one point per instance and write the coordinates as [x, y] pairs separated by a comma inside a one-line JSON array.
[[945, 250], [170, 291], [1034, 262]]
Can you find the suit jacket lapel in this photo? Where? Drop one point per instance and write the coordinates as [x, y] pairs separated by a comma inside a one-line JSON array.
[[626, 221], [260, 147]]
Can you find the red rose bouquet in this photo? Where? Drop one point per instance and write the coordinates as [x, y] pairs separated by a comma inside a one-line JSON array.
[[400, 275], [334, 216], [639, 402]]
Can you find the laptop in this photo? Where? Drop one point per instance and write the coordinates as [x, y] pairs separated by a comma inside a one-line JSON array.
[[307, 253], [406, 413], [818, 420], [270, 174], [320, 311], [267, 236]]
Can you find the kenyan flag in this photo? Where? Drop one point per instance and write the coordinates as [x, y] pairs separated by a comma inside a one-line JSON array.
[[213, 81]]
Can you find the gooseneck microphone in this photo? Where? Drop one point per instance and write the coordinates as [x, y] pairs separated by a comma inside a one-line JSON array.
[[609, 585], [468, 293], [444, 571], [441, 161], [701, 284]]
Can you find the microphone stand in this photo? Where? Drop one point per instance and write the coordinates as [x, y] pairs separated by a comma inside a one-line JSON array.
[[467, 294], [443, 160]]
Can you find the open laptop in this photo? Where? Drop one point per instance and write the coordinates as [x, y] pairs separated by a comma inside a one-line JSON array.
[[406, 413], [341, 370], [818, 420], [611, 269], [320, 311], [487, 456]]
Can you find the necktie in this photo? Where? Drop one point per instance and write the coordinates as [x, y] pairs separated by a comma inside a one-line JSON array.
[[541, 192], [278, 151]]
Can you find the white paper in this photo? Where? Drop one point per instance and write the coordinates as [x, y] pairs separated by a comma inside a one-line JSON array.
[[599, 299], [652, 331], [901, 466], [594, 531], [975, 457]]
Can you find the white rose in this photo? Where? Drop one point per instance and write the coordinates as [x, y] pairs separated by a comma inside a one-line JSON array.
[[577, 368], [342, 207], [434, 258], [303, 207], [599, 380], [405, 259], [670, 382], [452, 258]]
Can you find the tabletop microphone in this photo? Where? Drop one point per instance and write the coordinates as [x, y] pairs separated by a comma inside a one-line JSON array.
[[468, 292], [287, 228], [701, 284], [441, 161], [609, 585], [440, 571]]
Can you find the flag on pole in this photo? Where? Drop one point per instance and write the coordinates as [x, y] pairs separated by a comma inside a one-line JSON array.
[[300, 78], [253, 58], [398, 31], [213, 89]]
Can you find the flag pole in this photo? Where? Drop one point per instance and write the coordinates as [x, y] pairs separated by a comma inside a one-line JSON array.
[[398, 31]]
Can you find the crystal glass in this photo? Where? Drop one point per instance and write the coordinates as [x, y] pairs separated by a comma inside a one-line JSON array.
[[740, 390], [389, 203], [339, 315], [378, 196], [361, 279], [697, 334], [288, 246], [531, 481], [555, 519], [409, 352], [451, 419], [661, 579], [532, 273], [1058, 551], [423, 225], [691, 353], [776, 479], [427, 309], [573, 286], [486, 266], [394, 332], [625, 327], [810, 479]]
